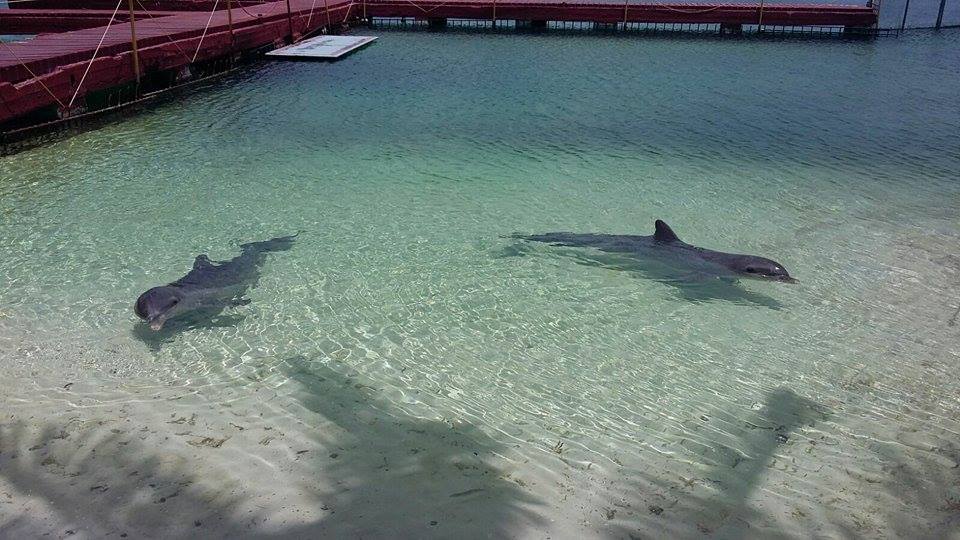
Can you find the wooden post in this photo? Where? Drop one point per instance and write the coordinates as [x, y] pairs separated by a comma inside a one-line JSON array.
[[289, 21], [943, 3], [760, 20], [903, 22], [133, 45], [230, 22]]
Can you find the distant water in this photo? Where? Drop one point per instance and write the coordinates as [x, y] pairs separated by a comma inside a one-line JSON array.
[[634, 405]]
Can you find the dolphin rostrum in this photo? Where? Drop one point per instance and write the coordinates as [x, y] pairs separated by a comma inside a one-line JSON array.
[[209, 285], [667, 248]]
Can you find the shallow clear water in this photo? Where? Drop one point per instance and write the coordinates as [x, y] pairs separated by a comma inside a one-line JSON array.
[[830, 407]]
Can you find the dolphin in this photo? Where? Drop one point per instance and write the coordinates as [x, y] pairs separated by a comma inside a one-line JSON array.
[[209, 285], [665, 247]]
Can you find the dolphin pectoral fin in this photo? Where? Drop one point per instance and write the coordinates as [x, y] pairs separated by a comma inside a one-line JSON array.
[[694, 278]]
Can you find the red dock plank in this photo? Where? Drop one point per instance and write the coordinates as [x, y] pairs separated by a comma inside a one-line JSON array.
[[43, 21], [157, 5]]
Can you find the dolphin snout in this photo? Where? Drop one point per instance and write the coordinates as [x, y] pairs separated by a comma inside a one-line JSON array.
[[156, 323], [788, 279]]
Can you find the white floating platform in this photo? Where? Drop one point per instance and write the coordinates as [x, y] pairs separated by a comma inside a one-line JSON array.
[[325, 47]]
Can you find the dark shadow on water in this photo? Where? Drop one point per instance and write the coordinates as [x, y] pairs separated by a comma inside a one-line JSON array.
[[398, 476], [205, 319], [921, 489], [104, 482], [718, 503], [687, 284], [783, 413], [382, 474]]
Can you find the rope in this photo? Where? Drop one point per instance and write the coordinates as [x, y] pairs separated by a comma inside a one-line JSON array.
[[438, 6], [688, 11], [310, 18], [204, 34], [252, 16], [154, 19], [95, 51], [34, 75]]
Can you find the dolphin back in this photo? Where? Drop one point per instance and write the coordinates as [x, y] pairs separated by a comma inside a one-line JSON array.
[[281, 243], [612, 243], [240, 269], [563, 239]]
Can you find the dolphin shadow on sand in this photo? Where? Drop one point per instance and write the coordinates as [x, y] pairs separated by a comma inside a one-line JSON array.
[[697, 274], [200, 319], [198, 299]]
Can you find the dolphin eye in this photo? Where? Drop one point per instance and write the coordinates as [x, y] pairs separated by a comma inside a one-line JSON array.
[[751, 270]]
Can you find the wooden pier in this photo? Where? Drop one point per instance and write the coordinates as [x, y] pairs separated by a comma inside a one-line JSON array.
[[628, 12], [89, 59]]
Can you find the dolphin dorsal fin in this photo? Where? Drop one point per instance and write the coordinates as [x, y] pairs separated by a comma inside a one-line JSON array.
[[663, 232], [201, 262]]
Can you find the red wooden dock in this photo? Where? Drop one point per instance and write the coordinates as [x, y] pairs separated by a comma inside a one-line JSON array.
[[54, 73], [46, 71], [629, 12]]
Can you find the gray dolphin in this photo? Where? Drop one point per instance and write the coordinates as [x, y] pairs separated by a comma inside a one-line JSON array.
[[209, 285], [667, 248]]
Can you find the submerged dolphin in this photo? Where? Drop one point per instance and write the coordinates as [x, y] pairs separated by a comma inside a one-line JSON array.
[[667, 248], [209, 285]]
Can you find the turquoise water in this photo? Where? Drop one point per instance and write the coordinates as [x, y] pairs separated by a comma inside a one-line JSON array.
[[586, 396]]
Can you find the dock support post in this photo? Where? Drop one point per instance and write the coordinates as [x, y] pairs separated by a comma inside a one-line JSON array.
[[230, 23], [539, 25], [436, 24], [760, 19], [133, 46], [943, 4], [903, 22], [731, 28], [289, 22]]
